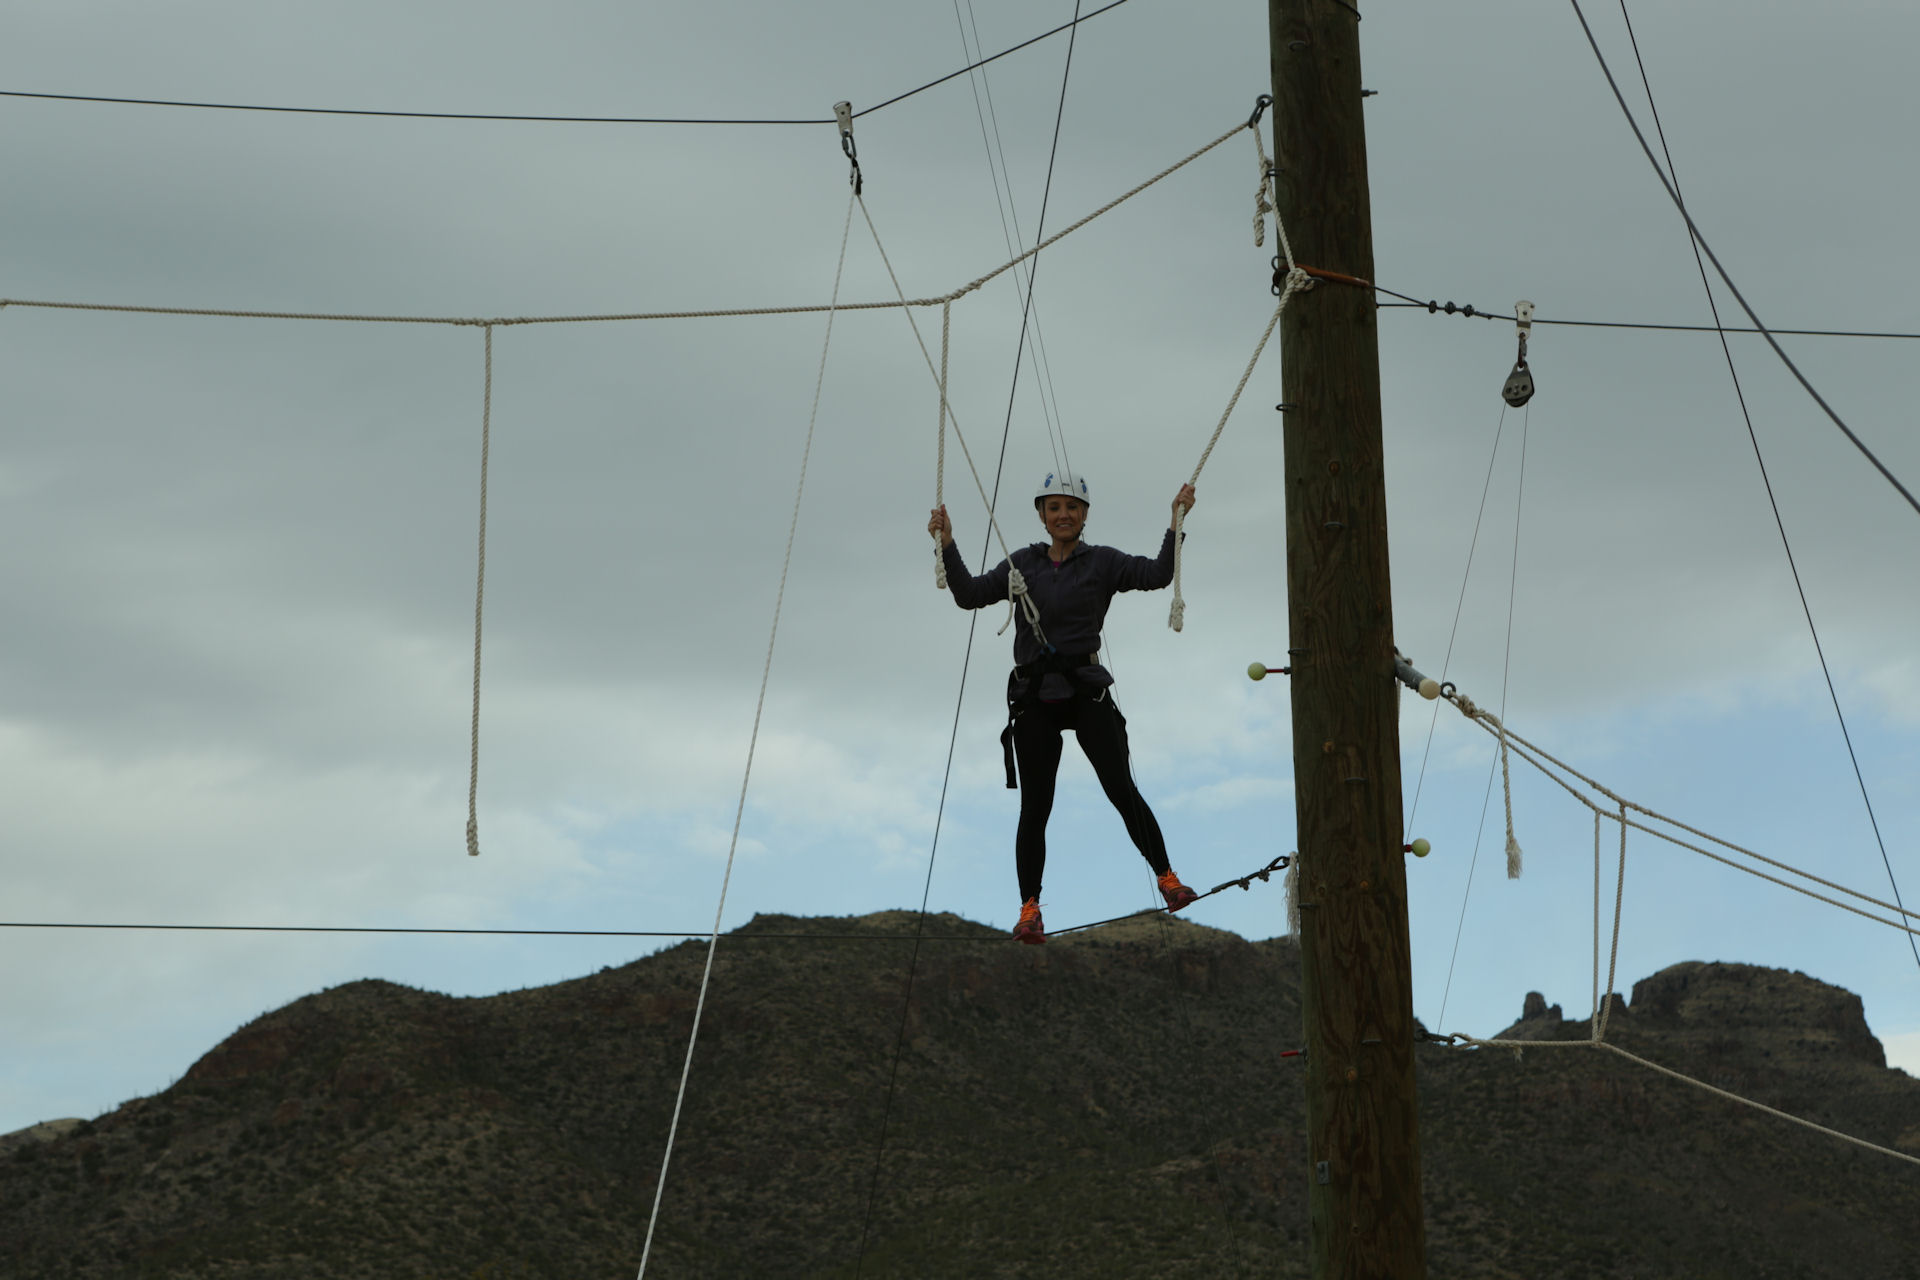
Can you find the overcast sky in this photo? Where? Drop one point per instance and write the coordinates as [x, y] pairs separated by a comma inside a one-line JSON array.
[[237, 597]]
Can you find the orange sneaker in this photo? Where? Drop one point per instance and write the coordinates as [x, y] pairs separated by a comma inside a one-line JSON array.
[[1176, 894], [1030, 930]]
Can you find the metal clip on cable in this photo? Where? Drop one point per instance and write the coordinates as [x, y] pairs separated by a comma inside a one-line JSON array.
[[1519, 388], [843, 115]]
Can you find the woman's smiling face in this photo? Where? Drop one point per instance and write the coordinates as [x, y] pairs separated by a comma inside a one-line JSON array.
[[1062, 516]]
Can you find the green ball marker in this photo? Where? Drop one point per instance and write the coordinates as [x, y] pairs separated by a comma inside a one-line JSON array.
[[1421, 848]]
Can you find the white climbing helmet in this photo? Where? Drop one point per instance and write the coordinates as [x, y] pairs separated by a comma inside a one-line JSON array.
[[1064, 483]]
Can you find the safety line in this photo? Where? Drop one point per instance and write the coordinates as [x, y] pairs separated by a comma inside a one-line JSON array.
[[1534, 755], [1522, 1045], [1241, 882], [753, 740], [508, 933], [1459, 605], [605, 317], [1014, 235], [1913, 944], [820, 308], [1506, 664], [1019, 602], [543, 119], [1486, 798], [479, 603], [1033, 270], [1732, 288], [1475, 313]]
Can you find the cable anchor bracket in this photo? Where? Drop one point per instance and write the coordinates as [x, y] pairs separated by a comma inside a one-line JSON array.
[[1407, 674], [843, 116], [1519, 387], [1260, 105]]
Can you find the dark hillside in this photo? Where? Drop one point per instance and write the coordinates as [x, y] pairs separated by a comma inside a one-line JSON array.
[[1111, 1105]]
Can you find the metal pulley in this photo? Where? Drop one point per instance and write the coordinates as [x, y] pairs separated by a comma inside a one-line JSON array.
[[843, 116], [1519, 388]]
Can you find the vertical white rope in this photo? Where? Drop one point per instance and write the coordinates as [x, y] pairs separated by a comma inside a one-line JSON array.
[[940, 460], [1176, 617], [766, 670], [479, 602], [1263, 203], [1016, 585], [1613, 959]]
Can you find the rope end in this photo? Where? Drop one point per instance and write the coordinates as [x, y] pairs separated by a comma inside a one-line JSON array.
[[473, 838], [1177, 616], [1513, 858], [1293, 898]]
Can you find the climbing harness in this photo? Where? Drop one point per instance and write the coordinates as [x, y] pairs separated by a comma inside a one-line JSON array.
[[1053, 677]]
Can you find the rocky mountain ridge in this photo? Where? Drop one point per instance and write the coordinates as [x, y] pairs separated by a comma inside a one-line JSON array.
[[1114, 1104]]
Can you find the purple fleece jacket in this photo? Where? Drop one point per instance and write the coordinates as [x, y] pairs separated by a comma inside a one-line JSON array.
[[1072, 596]]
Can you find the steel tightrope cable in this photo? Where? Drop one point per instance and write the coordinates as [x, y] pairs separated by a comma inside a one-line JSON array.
[[1475, 313], [549, 119], [1700, 239], [748, 934], [1773, 501]]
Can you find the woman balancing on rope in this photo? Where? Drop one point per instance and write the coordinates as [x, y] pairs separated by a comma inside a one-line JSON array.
[[1058, 684]]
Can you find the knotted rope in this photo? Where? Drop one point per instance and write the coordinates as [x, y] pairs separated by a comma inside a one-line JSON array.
[[1494, 725]]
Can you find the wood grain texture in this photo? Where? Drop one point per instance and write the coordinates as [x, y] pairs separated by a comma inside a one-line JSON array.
[[1356, 967]]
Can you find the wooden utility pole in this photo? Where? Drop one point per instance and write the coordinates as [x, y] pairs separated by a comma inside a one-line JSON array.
[[1363, 1176]]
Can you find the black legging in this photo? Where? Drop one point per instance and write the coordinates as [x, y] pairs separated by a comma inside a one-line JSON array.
[[1102, 732]]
